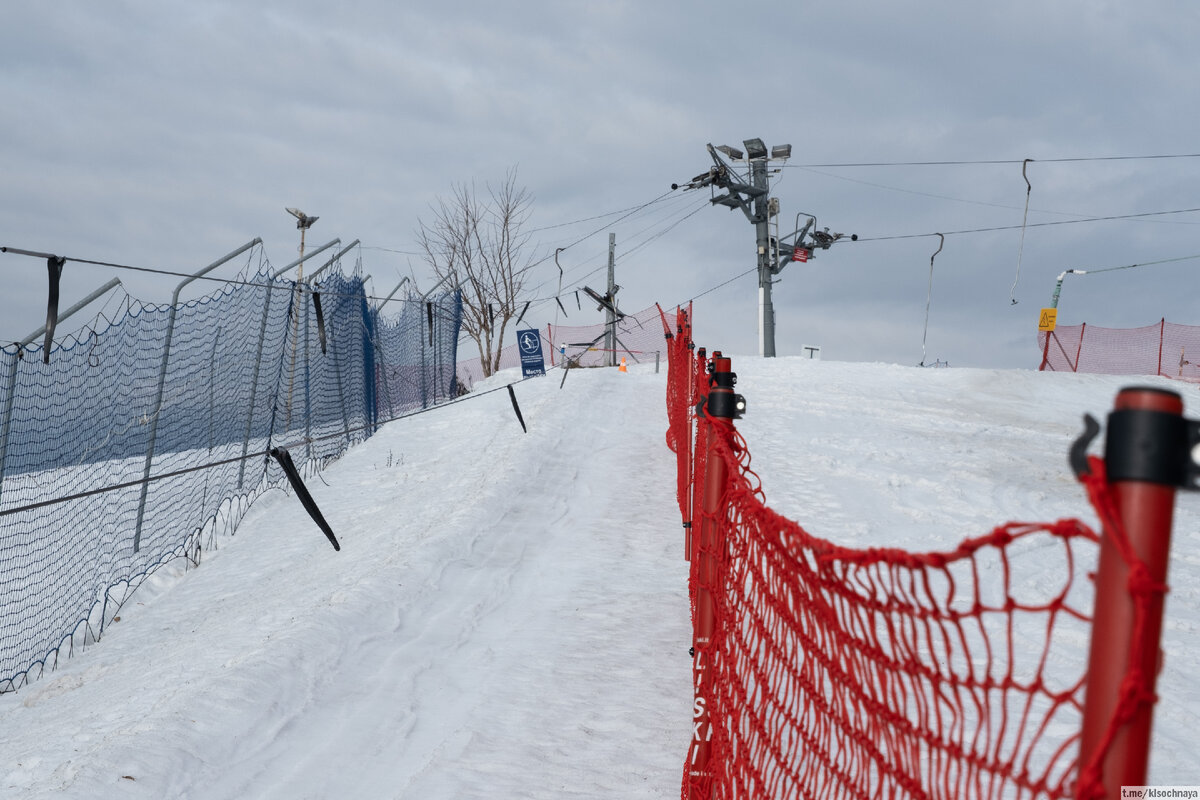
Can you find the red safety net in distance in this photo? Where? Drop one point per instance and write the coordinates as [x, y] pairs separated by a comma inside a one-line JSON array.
[[837, 672], [639, 331], [1164, 348], [637, 338]]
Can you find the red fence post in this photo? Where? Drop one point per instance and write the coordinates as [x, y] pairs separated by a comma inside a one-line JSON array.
[[722, 406], [1146, 455], [1078, 350], [1162, 330], [699, 451]]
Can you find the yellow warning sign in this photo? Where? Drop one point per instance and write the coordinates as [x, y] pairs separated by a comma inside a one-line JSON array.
[[1048, 319]]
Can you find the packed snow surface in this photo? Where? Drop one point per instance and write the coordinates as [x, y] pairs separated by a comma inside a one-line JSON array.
[[508, 615]]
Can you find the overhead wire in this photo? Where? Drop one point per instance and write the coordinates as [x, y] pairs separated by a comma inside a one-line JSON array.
[[627, 212], [969, 201], [598, 263], [1091, 271], [660, 229], [603, 228], [252, 283], [1031, 225], [584, 219], [982, 162], [214, 279]]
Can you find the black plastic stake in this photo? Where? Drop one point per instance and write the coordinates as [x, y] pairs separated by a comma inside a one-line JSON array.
[[429, 315], [320, 319], [523, 310], [560, 305], [54, 266], [293, 475], [513, 396]]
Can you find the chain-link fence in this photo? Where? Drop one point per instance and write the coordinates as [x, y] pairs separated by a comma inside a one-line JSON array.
[[143, 439]]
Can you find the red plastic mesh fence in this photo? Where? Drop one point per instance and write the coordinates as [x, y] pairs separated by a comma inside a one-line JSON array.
[[880, 673], [679, 401], [638, 339], [639, 332], [1164, 348]]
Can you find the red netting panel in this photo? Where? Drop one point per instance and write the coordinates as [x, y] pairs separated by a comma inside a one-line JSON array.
[[1133, 351], [1181, 352], [880, 673], [1164, 348], [638, 338], [679, 402], [841, 673], [1060, 348]]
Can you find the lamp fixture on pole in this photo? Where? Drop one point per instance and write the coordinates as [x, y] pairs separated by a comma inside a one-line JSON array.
[[749, 191]]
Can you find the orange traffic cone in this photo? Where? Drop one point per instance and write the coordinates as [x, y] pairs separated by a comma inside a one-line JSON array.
[[622, 367]]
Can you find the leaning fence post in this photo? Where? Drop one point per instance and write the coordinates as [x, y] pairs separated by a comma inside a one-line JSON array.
[[375, 337], [162, 379], [1147, 453], [1162, 330], [425, 378], [1079, 349], [722, 406]]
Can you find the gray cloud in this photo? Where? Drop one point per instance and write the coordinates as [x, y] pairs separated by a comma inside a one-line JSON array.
[[167, 136]]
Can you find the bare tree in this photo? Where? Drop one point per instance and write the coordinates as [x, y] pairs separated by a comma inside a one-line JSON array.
[[478, 242]]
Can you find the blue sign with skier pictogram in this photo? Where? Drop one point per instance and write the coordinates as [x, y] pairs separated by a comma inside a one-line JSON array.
[[529, 341]]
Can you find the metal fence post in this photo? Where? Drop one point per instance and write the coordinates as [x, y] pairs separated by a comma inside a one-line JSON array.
[[424, 377], [307, 382], [375, 342], [11, 378], [162, 378], [375, 339], [424, 393]]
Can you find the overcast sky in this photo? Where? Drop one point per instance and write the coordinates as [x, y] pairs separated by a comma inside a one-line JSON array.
[[166, 135]]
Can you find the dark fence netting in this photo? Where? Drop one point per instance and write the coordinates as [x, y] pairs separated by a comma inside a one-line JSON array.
[[165, 416], [416, 364]]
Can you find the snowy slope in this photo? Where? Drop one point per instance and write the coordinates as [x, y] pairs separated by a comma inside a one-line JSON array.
[[508, 614]]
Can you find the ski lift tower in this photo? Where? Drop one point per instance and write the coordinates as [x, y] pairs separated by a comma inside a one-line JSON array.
[[750, 192]]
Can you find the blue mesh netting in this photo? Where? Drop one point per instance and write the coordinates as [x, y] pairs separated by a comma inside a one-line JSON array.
[[416, 367], [244, 372]]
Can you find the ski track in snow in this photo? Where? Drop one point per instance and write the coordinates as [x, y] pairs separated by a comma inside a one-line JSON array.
[[508, 616]]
